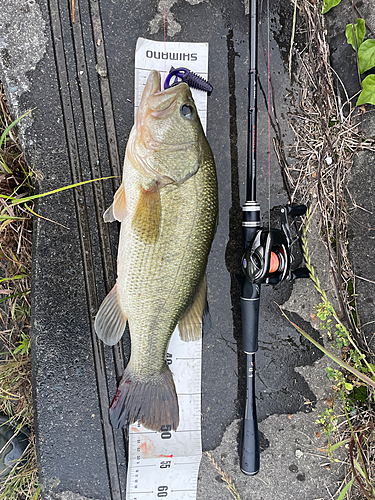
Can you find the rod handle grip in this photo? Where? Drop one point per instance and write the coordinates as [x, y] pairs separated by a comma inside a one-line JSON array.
[[250, 322], [249, 461], [249, 452]]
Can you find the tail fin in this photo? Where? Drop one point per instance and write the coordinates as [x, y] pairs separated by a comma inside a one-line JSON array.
[[151, 401]]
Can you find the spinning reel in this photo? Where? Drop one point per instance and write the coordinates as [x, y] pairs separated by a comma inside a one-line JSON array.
[[268, 258]]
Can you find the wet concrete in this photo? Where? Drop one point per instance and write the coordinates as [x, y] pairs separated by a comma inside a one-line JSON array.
[[79, 129], [362, 235]]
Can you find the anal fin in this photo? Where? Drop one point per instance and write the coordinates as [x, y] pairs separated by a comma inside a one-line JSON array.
[[118, 210], [190, 325], [110, 321], [146, 220]]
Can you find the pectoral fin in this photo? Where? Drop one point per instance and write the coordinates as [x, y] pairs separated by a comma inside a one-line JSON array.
[[117, 211], [110, 322], [190, 325], [146, 220]]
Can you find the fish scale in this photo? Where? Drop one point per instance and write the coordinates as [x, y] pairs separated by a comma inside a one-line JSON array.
[[152, 279]]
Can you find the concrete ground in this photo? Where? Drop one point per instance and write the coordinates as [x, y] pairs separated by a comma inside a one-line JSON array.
[[78, 130]]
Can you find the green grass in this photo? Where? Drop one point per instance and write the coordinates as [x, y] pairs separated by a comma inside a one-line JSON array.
[[15, 265], [354, 385]]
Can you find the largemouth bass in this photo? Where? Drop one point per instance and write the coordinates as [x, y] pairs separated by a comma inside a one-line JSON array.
[[167, 204]]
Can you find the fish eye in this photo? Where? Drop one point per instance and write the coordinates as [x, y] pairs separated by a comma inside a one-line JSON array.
[[186, 111]]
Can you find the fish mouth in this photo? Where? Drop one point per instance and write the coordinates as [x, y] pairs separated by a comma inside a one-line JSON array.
[[160, 104], [163, 102]]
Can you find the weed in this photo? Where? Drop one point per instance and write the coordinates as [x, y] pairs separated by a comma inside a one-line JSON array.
[[225, 477], [16, 210], [22, 482], [326, 141], [354, 388], [15, 265]]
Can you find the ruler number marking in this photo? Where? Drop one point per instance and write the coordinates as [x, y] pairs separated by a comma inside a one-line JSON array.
[[165, 432], [162, 491]]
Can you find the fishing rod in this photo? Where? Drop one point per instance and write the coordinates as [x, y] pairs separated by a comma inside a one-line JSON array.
[[266, 260]]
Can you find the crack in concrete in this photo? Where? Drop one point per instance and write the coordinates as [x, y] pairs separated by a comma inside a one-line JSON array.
[[164, 12]]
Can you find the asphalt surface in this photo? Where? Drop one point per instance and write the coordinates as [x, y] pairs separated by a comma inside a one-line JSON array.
[[78, 130]]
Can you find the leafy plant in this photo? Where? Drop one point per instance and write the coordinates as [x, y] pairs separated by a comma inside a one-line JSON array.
[[367, 96], [24, 345], [359, 30], [366, 55], [328, 4], [365, 50]]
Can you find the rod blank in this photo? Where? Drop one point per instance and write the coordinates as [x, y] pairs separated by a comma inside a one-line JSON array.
[[249, 446], [252, 133]]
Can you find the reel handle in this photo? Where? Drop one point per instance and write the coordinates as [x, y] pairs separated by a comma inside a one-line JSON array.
[[295, 210]]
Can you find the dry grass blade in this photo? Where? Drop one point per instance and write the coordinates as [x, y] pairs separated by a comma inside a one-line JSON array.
[[325, 144], [224, 476], [327, 136]]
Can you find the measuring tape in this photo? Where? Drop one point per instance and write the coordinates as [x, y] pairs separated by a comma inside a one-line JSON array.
[[165, 464]]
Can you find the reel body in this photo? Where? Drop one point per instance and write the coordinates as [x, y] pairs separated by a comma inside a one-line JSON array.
[[267, 258]]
